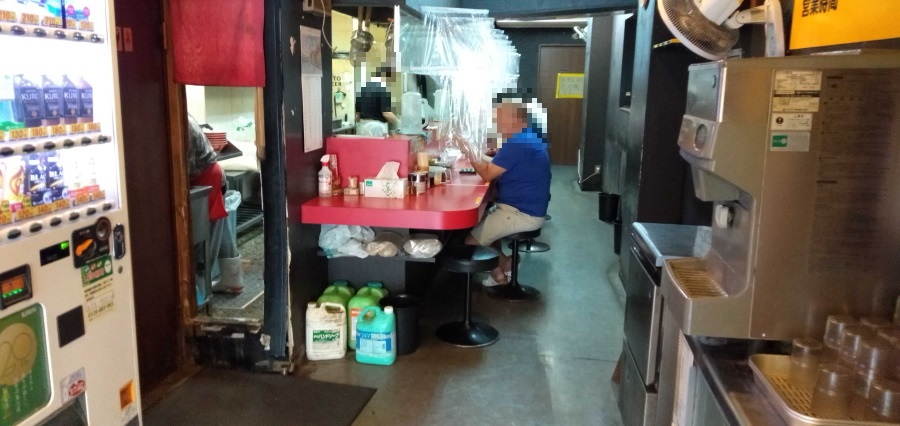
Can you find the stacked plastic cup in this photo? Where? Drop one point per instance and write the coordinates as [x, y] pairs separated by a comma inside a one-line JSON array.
[[884, 402], [834, 329], [831, 396], [805, 357]]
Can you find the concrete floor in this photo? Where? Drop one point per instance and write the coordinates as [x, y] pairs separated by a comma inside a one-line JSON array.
[[555, 356]]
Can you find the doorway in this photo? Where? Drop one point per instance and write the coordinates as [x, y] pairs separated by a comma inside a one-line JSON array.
[[564, 118]]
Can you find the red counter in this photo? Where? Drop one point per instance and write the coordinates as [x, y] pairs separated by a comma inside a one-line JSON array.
[[457, 205]]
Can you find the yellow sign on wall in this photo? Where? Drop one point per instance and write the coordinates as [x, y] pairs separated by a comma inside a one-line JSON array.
[[830, 22], [570, 85]]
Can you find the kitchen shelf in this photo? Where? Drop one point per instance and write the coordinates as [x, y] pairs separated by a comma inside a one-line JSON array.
[[398, 258], [248, 216]]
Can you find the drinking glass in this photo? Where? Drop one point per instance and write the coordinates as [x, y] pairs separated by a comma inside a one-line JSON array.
[[831, 396], [884, 401], [876, 356], [859, 400], [834, 328], [851, 338], [805, 362]]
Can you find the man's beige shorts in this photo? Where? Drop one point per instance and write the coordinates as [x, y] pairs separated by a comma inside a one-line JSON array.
[[504, 220]]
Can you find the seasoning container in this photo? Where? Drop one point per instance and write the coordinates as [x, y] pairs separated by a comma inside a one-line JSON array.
[[418, 183]]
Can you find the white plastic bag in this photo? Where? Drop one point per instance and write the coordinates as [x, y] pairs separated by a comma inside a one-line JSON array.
[[345, 240], [385, 244], [423, 245]]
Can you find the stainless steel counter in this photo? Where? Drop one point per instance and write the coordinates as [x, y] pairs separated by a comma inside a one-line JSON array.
[[727, 373], [665, 241]]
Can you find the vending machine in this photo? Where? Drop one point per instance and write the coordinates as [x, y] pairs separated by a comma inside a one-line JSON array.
[[67, 335]]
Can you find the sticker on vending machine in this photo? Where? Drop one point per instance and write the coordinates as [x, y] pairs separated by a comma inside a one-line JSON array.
[[72, 386]]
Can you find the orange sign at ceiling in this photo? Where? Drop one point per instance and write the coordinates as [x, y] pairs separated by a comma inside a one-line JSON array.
[[831, 22]]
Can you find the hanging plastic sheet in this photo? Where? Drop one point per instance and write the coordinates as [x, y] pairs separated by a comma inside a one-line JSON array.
[[470, 60]]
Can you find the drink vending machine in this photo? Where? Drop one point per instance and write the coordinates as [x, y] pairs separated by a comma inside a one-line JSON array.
[[67, 334]]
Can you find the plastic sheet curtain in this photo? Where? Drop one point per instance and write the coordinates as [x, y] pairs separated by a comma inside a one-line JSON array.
[[469, 59]]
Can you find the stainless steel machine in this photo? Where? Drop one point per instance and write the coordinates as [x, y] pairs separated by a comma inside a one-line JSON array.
[[650, 245], [801, 156]]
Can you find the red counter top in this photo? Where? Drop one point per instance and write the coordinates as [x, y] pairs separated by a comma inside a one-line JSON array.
[[457, 205]]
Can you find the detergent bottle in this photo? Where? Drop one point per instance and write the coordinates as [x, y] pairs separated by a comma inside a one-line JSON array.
[[338, 292], [326, 331], [376, 336]]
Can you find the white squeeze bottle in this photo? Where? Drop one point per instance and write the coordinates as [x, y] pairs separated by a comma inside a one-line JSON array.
[[325, 178]]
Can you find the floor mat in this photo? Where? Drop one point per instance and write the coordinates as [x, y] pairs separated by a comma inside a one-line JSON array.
[[231, 397]]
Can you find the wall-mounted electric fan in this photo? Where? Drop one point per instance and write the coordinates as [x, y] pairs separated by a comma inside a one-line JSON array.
[[709, 27]]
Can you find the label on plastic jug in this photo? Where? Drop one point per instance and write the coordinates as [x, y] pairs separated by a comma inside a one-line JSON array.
[[374, 343], [325, 340]]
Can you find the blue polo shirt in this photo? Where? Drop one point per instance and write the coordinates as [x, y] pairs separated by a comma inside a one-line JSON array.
[[525, 184]]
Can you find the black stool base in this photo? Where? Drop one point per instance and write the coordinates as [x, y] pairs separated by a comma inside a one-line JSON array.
[[531, 246], [514, 293], [473, 335]]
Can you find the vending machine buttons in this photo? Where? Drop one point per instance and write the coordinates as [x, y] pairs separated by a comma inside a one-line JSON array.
[[91, 211], [85, 141], [15, 233], [35, 227], [56, 221], [60, 34], [74, 216], [107, 206], [68, 143]]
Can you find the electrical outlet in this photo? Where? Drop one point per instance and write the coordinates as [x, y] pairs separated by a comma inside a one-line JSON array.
[[596, 168]]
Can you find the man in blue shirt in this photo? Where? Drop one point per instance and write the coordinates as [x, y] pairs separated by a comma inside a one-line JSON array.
[[521, 170]]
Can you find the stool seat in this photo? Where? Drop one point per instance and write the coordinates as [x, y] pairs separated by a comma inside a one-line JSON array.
[[525, 235], [467, 259]]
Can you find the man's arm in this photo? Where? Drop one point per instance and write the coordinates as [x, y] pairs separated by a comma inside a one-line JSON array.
[[391, 118], [486, 170]]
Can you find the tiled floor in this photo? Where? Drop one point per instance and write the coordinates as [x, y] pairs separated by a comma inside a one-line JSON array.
[[555, 356]]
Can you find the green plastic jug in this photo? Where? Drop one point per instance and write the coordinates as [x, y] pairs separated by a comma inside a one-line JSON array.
[[375, 289], [338, 292], [376, 336], [363, 299]]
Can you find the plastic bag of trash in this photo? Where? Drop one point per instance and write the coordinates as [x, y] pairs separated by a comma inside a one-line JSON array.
[[423, 245], [385, 244], [345, 240]]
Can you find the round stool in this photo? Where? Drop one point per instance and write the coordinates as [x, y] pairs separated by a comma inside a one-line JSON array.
[[531, 246], [468, 260], [515, 292]]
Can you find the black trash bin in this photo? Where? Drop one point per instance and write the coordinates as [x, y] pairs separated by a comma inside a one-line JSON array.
[[609, 207], [406, 310], [617, 236]]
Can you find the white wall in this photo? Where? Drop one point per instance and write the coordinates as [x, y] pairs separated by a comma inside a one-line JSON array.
[[224, 108]]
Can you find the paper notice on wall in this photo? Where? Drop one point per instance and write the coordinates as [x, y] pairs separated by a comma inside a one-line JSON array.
[[311, 88], [796, 91], [97, 284], [310, 51]]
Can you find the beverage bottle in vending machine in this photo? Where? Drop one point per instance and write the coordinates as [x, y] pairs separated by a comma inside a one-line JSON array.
[[86, 97], [53, 101], [29, 102], [55, 179], [71, 101], [7, 102]]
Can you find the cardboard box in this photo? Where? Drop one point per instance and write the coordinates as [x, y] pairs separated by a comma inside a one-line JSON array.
[[386, 188]]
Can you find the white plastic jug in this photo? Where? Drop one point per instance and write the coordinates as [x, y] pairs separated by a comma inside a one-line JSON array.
[[411, 113], [326, 331]]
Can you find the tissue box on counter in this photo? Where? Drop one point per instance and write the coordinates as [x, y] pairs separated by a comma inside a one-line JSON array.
[[386, 188]]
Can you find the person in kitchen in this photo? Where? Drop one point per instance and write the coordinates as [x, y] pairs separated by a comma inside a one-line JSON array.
[[204, 170], [373, 105], [521, 169]]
